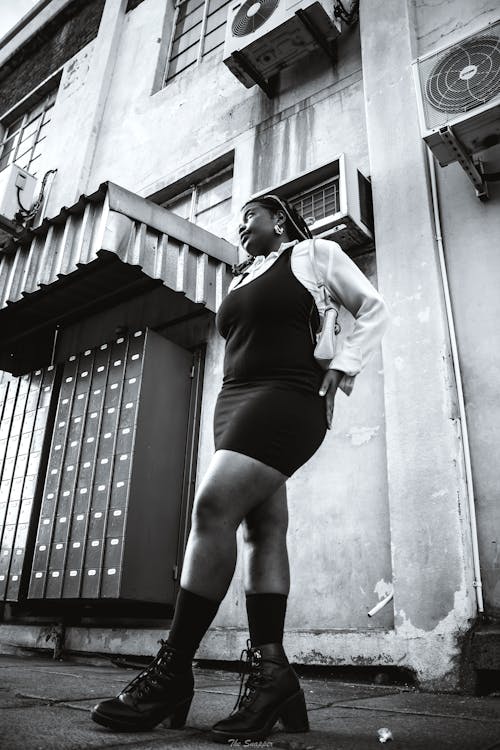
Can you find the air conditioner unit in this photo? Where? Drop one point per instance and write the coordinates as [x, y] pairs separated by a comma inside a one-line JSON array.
[[336, 201], [458, 91], [265, 36], [17, 188]]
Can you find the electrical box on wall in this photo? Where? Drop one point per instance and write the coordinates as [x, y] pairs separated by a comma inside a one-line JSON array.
[[17, 188], [266, 36], [458, 94], [336, 201]]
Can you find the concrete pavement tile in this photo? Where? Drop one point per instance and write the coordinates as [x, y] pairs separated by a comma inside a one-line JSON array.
[[9, 699], [320, 690], [354, 729], [344, 727], [54, 683], [61, 728], [317, 692], [207, 708], [208, 678], [221, 689], [342, 716], [436, 704]]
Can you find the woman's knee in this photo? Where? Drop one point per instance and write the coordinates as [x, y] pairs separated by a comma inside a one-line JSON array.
[[233, 486], [211, 512]]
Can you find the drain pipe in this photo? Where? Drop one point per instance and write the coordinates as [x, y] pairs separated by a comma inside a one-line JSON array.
[[477, 583]]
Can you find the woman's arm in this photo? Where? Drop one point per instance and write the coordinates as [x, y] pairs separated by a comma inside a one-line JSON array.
[[351, 288]]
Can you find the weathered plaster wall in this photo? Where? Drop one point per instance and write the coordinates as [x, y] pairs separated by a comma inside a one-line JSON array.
[[439, 23], [384, 498], [471, 231], [427, 494], [338, 559], [146, 140]]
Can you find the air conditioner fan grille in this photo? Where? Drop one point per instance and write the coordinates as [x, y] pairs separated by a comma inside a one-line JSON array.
[[466, 77], [251, 15]]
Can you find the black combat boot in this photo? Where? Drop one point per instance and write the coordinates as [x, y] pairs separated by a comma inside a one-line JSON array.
[[164, 689], [272, 692]]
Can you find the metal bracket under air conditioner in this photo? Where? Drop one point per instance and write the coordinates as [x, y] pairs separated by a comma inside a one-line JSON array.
[[330, 50], [266, 86], [473, 170]]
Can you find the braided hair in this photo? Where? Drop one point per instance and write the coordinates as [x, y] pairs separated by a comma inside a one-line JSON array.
[[295, 224]]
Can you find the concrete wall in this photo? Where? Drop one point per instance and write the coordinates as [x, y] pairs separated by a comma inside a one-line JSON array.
[[471, 229], [146, 141], [437, 24], [384, 500]]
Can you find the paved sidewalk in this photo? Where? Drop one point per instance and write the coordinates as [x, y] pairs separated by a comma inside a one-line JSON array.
[[44, 705]]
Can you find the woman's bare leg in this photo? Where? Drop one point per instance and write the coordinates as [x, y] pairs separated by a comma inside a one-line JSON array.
[[233, 485], [265, 554]]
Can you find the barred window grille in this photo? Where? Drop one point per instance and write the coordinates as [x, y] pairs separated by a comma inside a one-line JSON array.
[[24, 139], [199, 28], [317, 202], [207, 203]]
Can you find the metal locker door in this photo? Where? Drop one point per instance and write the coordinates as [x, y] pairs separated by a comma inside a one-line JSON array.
[[157, 468]]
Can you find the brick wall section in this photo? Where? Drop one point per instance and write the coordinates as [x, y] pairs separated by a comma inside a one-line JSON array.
[[50, 48]]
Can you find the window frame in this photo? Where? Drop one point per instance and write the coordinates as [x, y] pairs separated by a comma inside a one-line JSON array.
[[48, 91], [200, 54], [193, 186]]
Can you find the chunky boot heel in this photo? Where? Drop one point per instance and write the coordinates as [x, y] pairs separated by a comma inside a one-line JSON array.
[[293, 714], [272, 693], [179, 716]]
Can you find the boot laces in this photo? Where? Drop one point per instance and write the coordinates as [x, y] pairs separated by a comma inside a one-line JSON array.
[[155, 675], [252, 665]]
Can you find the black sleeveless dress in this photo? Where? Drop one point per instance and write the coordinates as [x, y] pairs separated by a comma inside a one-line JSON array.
[[269, 405]]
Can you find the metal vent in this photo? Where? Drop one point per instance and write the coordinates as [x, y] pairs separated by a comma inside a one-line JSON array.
[[252, 15], [461, 77], [466, 77], [318, 202]]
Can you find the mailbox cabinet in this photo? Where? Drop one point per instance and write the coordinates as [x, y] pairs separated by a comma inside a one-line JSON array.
[[109, 520]]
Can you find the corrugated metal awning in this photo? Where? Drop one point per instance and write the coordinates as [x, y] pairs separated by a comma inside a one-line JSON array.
[[109, 245]]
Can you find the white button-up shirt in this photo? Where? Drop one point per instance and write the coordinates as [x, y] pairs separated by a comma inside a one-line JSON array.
[[347, 285]]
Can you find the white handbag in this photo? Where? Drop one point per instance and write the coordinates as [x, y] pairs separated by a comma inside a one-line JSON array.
[[326, 341]]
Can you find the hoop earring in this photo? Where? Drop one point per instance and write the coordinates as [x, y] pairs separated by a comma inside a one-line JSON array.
[[278, 229]]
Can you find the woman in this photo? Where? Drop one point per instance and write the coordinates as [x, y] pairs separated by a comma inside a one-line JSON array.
[[271, 416]]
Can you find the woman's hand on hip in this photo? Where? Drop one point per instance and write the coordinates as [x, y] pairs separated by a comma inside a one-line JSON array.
[[328, 389]]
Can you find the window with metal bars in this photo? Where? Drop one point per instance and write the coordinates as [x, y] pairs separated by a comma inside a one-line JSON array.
[[199, 28], [207, 203], [319, 201], [24, 139]]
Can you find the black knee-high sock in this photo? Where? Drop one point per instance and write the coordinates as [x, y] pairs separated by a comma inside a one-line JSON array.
[[193, 616], [266, 617]]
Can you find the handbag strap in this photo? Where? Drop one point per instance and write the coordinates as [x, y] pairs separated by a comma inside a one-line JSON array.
[[321, 284]]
